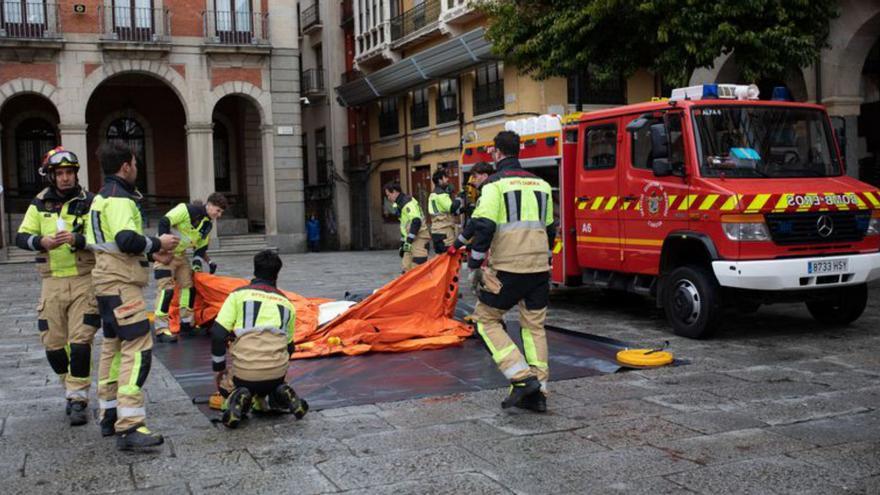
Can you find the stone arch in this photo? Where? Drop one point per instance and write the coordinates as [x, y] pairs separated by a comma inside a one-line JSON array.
[[261, 99], [21, 86], [152, 68], [852, 36], [150, 166]]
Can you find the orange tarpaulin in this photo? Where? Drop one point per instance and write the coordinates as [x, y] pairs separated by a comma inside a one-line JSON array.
[[412, 312]]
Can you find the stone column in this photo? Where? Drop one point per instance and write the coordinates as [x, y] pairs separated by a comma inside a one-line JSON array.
[[73, 138], [848, 107], [200, 159], [271, 214]]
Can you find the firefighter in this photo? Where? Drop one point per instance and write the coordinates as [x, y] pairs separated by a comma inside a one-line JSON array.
[[260, 321], [414, 237], [514, 219], [192, 223], [443, 210], [67, 312], [480, 172], [122, 252]]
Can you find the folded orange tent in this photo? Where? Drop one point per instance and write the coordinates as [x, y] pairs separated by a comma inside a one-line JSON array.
[[412, 312]]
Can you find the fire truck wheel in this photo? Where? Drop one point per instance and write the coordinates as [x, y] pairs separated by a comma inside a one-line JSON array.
[[692, 301], [842, 309]]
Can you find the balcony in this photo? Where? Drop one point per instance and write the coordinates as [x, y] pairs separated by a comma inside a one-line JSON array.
[[236, 32], [31, 25], [347, 13], [311, 19], [372, 48], [313, 83], [457, 12], [134, 29], [355, 158], [415, 24]]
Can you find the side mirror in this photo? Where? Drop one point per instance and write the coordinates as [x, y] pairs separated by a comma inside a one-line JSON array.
[[661, 167], [659, 141]]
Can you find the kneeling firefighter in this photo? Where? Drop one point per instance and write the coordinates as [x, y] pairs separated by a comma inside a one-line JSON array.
[[67, 312], [260, 321]]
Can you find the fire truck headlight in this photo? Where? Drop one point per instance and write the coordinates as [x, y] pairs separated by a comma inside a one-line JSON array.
[[745, 228]]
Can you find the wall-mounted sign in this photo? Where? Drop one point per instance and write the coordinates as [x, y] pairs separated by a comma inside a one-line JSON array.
[[285, 130], [79, 8]]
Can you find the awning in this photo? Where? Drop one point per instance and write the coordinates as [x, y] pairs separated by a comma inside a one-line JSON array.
[[439, 61]]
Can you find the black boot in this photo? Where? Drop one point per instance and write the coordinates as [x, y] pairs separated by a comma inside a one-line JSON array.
[[536, 402], [138, 438], [68, 407], [78, 413], [238, 404], [166, 337], [519, 390], [186, 330], [285, 399], [108, 422]]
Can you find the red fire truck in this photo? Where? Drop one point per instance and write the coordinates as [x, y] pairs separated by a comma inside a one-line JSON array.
[[708, 200]]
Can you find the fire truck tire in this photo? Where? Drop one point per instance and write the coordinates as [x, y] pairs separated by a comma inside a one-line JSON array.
[[846, 307], [692, 301]]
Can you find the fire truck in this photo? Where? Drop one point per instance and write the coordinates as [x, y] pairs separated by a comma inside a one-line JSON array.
[[709, 200]]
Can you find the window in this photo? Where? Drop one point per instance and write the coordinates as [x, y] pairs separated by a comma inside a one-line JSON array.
[[584, 89], [419, 110], [33, 139], [386, 177], [601, 147], [222, 168], [129, 132], [388, 125], [321, 156], [641, 142], [133, 19], [234, 21], [23, 18], [447, 101], [488, 89]]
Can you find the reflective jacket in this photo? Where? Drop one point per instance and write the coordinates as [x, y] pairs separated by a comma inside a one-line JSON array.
[[260, 319], [115, 233], [513, 220], [43, 217], [191, 223], [412, 220], [442, 207]]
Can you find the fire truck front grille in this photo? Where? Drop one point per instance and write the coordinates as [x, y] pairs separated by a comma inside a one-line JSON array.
[[817, 227]]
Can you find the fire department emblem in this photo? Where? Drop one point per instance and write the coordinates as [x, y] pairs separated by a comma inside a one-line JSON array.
[[654, 204]]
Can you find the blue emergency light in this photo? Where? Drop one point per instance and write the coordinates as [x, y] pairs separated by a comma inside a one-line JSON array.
[[781, 93]]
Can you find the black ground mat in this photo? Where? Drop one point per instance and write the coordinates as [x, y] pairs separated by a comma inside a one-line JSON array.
[[385, 377]]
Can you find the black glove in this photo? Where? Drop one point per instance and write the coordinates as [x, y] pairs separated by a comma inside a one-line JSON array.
[[212, 267], [439, 246], [400, 250]]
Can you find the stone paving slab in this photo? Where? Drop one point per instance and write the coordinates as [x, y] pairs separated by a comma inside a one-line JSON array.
[[775, 403]]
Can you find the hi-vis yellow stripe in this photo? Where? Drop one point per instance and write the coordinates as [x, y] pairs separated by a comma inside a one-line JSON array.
[[688, 201], [557, 247], [708, 202], [731, 203], [783, 202], [618, 240], [597, 203], [611, 201], [758, 202], [872, 199]]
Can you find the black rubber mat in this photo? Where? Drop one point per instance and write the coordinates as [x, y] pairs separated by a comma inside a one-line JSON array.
[[385, 377]]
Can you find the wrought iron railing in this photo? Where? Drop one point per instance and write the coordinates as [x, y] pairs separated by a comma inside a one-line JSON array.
[[227, 27], [415, 19], [313, 82], [310, 17], [121, 22], [29, 20]]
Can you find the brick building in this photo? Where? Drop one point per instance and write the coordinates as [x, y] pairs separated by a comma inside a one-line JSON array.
[[205, 91]]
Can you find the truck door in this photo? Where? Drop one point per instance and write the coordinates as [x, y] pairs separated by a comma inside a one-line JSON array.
[[596, 196], [653, 206]]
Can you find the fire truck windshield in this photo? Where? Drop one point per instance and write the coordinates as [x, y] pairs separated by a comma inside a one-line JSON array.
[[764, 142]]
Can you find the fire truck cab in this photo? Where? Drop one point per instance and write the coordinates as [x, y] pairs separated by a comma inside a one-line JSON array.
[[708, 200]]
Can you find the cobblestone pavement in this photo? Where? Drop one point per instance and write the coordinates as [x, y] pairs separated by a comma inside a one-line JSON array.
[[774, 404]]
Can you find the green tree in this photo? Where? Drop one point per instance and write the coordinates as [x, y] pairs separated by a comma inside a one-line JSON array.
[[547, 38]]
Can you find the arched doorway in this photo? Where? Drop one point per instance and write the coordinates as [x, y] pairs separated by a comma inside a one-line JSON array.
[[28, 129], [143, 112], [869, 118], [238, 163], [793, 80]]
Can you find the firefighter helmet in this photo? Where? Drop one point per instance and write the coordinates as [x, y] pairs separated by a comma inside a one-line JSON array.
[[57, 158]]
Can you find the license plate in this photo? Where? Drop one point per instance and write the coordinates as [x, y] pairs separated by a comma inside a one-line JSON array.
[[827, 266]]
